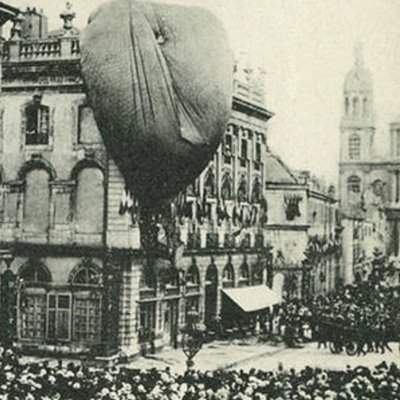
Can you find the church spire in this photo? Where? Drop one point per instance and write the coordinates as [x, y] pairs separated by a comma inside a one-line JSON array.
[[358, 54]]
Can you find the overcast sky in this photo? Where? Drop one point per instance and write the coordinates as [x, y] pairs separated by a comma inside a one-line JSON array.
[[306, 48]]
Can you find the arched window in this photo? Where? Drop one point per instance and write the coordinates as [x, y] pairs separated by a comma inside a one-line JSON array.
[[87, 128], [242, 190], [32, 299], [89, 205], [353, 184], [346, 106], [36, 119], [257, 274], [356, 106], [257, 191], [228, 277], [354, 147], [192, 276], [36, 216], [244, 274], [34, 273], [209, 183], [365, 106], [226, 189], [86, 274]]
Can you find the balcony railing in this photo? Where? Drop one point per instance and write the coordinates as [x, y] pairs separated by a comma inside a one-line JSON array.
[[42, 49]]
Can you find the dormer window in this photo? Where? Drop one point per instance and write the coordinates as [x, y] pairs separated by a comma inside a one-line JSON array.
[[37, 122]]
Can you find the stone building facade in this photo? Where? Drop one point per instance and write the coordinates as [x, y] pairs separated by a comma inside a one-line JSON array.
[[302, 231], [76, 273], [369, 183]]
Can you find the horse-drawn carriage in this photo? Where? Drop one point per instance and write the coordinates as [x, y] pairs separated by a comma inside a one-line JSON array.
[[339, 337]]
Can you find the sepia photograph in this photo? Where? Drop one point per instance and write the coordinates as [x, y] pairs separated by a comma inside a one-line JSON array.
[[199, 200]]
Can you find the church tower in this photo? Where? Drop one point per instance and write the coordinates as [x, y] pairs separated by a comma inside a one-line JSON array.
[[357, 123]]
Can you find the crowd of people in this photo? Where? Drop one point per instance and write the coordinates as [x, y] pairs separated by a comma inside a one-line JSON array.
[[73, 382], [368, 312]]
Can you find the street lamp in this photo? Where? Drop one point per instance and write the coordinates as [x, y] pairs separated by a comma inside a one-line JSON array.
[[193, 337]]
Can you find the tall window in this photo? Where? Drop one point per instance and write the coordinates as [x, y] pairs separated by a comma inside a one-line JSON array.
[[398, 142], [226, 189], [243, 152], [37, 122], [192, 276], [257, 156], [32, 300], [242, 190], [209, 183], [86, 324], [59, 316], [89, 211], [228, 148], [347, 106], [147, 320], [87, 128], [354, 147], [365, 106], [37, 201], [257, 191], [356, 106], [228, 276], [354, 184], [244, 275]]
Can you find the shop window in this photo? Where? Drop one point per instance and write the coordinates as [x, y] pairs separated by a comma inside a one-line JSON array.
[[89, 212], [147, 321], [59, 316], [37, 201], [32, 300], [86, 281]]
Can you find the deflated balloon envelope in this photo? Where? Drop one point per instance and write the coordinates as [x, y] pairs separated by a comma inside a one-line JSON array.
[[159, 79]]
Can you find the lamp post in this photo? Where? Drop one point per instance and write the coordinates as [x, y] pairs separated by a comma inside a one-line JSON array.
[[7, 297], [193, 337]]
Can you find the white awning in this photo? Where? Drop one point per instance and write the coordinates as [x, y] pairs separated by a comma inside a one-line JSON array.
[[253, 298]]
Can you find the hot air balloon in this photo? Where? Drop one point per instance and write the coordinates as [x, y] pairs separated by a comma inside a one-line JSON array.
[[158, 78]]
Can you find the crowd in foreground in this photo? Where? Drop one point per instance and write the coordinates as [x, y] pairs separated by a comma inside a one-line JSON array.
[[70, 382]]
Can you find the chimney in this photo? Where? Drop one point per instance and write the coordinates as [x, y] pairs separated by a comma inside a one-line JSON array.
[[34, 25]]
